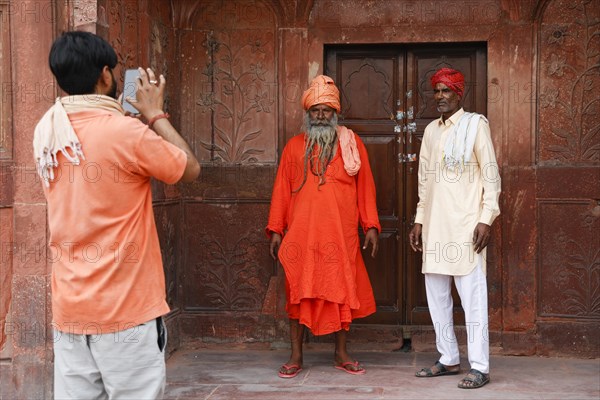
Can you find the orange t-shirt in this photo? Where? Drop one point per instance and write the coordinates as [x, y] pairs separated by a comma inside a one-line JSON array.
[[107, 271]]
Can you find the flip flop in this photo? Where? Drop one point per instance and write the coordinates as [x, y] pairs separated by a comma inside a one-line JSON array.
[[344, 367], [287, 368], [441, 370]]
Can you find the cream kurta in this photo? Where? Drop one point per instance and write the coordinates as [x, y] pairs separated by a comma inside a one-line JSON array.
[[451, 203]]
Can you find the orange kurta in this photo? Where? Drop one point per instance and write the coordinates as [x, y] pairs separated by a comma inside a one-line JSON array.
[[327, 282]]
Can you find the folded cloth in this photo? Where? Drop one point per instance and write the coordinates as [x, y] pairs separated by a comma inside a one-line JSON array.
[[349, 150], [54, 132]]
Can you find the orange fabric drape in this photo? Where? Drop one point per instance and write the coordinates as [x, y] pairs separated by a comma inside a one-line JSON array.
[[327, 283]]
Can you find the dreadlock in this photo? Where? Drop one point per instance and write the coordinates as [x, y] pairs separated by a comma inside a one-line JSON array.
[[318, 147]]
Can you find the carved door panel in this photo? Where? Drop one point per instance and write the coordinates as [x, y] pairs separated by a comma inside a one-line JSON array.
[[387, 99], [370, 81]]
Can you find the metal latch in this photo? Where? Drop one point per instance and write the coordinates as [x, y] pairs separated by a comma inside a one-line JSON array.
[[406, 158]]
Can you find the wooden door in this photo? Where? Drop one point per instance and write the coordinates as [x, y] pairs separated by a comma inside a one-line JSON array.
[[387, 99]]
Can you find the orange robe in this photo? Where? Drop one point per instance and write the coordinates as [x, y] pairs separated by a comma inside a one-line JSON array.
[[327, 285]]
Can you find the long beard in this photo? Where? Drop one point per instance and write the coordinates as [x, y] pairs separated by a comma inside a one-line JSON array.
[[319, 147]]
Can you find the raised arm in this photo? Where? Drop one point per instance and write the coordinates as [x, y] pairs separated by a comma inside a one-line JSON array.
[[149, 101]]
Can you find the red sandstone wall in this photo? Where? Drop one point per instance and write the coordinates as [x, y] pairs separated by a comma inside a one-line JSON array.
[[543, 280], [222, 285], [24, 276], [568, 177]]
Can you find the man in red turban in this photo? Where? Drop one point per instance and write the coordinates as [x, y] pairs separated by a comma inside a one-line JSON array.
[[452, 78], [323, 190], [452, 225]]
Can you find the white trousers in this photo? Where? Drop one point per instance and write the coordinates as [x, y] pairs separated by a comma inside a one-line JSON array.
[[128, 364], [472, 289]]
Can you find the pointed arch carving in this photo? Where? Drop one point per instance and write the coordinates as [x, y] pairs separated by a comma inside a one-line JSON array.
[[293, 13], [184, 13]]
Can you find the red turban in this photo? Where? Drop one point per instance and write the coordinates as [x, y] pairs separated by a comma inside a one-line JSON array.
[[322, 90], [452, 78]]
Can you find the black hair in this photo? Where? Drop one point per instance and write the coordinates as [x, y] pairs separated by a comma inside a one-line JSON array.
[[77, 59]]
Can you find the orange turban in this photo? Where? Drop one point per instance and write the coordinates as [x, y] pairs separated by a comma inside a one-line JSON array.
[[322, 90], [452, 78]]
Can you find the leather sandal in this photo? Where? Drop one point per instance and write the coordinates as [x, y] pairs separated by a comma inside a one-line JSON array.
[[474, 379], [440, 368]]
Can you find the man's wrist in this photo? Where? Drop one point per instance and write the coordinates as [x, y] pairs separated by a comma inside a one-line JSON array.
[[157, 117], [153, 113], [271, 232]]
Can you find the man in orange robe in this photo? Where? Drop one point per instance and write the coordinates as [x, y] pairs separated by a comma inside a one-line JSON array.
[[324, 188]]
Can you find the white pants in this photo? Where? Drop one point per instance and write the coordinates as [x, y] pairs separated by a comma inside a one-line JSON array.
[[472, 289], [128, 364]]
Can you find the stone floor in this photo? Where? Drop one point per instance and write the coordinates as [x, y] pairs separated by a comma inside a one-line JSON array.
[[231, 373]]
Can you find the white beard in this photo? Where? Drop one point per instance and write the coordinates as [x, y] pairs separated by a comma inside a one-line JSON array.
[[319, 149], [322, 135]]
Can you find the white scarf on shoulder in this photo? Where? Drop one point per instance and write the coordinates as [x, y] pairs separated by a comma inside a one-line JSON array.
[[54, 131], [460, 142]]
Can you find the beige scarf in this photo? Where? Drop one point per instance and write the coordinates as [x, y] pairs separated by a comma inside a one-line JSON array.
[[54, 132], [349, 150]]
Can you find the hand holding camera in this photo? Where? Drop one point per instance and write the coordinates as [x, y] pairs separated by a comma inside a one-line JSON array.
[[143, 93]]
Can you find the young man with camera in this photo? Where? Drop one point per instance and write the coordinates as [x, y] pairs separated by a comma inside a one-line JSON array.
[[108, 285]]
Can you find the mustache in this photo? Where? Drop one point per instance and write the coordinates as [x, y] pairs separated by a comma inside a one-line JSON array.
[[320, 122], [309, 123]]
